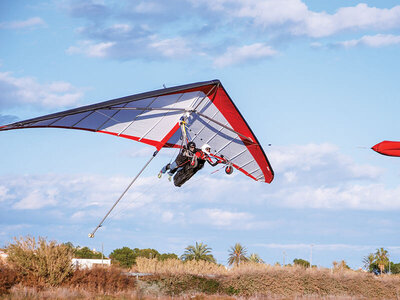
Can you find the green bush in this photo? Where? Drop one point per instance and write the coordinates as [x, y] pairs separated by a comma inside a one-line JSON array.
[[85, 252], [48, 262]]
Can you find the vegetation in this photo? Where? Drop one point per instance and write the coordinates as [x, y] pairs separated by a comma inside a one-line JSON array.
[[85, 252], [198, 252], [41, 269], [254, 257], [124, 257], [237, 255], [378, 262], [176, 266], [381, 259], [301, 263], [337, 266], [394, 268], [45, 261], [166, 256]]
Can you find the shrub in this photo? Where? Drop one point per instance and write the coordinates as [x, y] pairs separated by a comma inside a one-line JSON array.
[[8, 278], [124, 257], [104, 280], [48, 262], [301, 262], [85, 252]]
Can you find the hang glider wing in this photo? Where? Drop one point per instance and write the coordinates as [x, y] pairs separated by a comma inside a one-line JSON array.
[[388, 148], [154, 118]]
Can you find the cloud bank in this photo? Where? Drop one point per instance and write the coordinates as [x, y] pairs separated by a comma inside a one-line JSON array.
[[307, 176], [158, 30], [15, 91]]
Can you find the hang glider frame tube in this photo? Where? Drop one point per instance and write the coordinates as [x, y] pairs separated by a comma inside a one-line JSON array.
[[91, 235]]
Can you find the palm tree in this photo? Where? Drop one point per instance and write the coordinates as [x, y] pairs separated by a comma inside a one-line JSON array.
[[198, 252], [254, 257], [368, 261], [237, 255], [381, 259]]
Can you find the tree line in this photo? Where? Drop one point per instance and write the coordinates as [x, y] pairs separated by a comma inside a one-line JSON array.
[[377, 263]]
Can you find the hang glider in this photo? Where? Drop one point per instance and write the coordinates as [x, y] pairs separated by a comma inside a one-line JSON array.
[[388, 148], [154, 118], [202, 111]]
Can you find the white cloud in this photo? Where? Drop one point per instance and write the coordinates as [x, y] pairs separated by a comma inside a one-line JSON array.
[[272, 13], [172, 48], [91, 49], [29, 23], [375, 41], [235, 55], [156, 30], [37, 199], [307, 176], [298, 19], [3, 193], [221, 218], [320, 177], [341, 196], [79, 215], [15, 91], [324, 158]]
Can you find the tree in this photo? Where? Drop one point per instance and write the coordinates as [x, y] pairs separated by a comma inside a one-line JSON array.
[[368, 262], [85, 252], [125, 257], [166, 256], [301, 262], [381, 259], [198, 252], [254, 257], [148, 253], [394, 268], [69, 245], [237, 255], [377, 262], [342, 265]]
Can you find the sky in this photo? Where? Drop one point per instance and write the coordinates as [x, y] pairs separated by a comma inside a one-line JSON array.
[[315, 80]]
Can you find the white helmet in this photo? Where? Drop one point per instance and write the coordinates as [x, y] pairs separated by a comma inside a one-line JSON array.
[[206, 148]]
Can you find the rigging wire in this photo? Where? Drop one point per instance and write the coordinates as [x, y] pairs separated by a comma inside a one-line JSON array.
[[123, 209]]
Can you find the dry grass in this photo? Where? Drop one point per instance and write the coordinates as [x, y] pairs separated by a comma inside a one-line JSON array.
[[176, 266], [261, 280], [20, 292]]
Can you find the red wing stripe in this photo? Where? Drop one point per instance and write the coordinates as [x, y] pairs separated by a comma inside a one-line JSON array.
[[168, 136]]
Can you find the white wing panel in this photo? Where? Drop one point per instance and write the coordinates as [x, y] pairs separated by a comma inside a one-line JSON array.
[[123, 118], [72, 120], [149, 119], [96, 120]]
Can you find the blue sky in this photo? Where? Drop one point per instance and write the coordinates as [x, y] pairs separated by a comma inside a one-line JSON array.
[[316, 79]]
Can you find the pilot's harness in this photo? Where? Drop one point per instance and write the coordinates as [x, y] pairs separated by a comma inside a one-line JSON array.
[[185, 140]]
